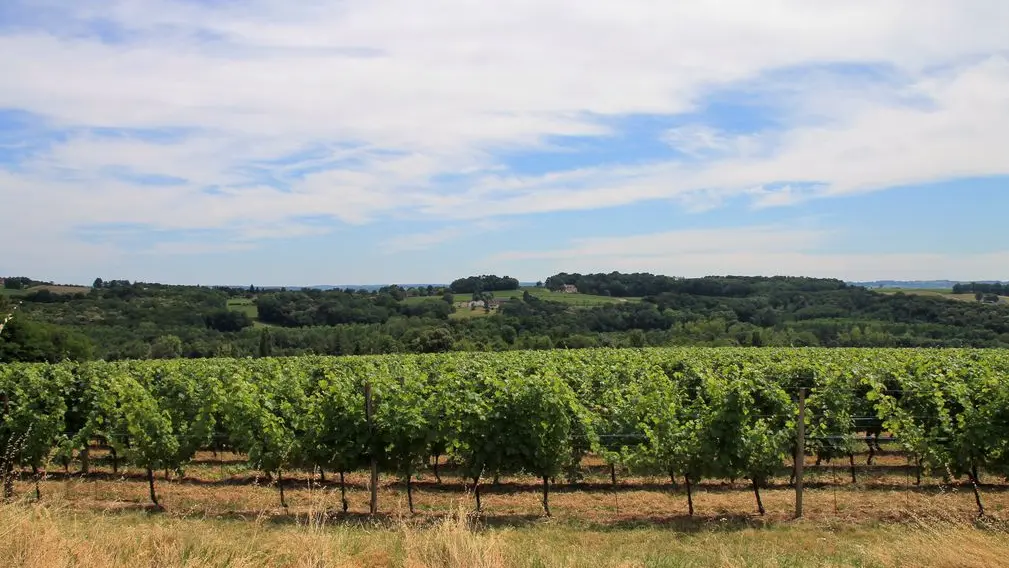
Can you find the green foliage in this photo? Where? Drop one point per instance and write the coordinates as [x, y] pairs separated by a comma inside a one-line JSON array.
[[136, 423], [166, 347], [32, 412], [484, 283], [688, 413], [119, 320], [335, 426], [265, 412], [30, 341], [19, 282], [191, 400], [225, 320]]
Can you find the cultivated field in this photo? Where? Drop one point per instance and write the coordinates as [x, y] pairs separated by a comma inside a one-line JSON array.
[[597, 429]]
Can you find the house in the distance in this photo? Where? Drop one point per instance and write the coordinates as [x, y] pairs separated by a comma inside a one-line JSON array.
[[569, 289]]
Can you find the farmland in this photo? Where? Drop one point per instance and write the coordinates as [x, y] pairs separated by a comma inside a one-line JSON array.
[[681, 414], [593, 451]]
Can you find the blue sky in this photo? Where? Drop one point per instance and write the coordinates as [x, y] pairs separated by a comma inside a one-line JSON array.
[[354, 141]]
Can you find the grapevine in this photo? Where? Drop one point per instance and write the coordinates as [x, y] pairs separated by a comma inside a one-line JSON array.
[[686, 413]]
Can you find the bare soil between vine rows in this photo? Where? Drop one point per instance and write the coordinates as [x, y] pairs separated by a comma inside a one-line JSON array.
[[222, 486]]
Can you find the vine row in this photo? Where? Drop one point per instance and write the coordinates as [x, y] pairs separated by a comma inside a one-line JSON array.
[[687, 413]]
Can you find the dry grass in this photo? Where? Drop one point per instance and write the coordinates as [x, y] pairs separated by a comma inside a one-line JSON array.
[[220, 514], [41, 536]]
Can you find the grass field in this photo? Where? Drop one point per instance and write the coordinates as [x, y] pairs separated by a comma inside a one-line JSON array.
[[222, 514], [247, 306], [463, 312], [244, 305]]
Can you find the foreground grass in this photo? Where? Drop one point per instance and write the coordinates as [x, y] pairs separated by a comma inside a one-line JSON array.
[[37, 536], [222, 514]]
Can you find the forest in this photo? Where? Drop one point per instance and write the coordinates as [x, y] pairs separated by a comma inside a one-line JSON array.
[[117, 319]]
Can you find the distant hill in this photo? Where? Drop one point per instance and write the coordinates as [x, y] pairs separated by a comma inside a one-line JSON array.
[[122, 320], [922, 284]]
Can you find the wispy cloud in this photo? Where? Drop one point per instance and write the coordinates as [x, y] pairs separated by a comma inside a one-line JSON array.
[[702, 141]]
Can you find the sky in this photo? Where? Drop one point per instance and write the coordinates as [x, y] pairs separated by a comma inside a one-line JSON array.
[[272, 142]]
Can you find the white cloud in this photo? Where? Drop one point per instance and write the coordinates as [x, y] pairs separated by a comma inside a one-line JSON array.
[[760, 250], [703, 141], [389, 95], [867, 145]]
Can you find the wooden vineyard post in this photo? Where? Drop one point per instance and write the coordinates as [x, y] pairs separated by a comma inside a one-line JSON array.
[[7, 458], [800, 452], [368, 411]]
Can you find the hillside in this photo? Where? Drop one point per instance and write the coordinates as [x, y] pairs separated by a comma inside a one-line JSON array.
[[118, 319]]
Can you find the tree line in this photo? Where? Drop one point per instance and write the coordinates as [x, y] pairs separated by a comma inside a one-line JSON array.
[[483, 283], [996, 288], [139, 320]]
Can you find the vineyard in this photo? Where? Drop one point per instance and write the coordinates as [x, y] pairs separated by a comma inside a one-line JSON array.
[[687, 415]]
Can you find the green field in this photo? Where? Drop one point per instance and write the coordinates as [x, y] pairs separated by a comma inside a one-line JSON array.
[[247, 306], [462, 313]]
